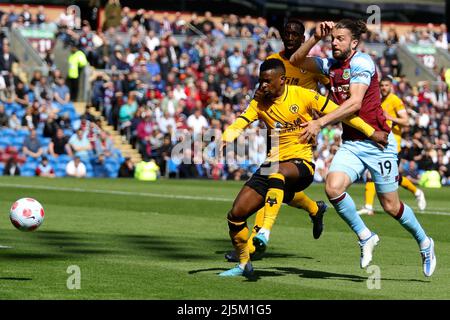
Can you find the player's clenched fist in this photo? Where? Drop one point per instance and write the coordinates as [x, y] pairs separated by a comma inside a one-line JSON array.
[[323, 29]]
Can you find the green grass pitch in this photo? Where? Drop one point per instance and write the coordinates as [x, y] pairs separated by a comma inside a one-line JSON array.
[[166, 240]]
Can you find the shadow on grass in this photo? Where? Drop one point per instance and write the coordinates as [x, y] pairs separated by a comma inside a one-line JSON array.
[[271, 255], [15, 279], [29, 256], [278, 272], [66, 244], [173, 248], [317, 274]]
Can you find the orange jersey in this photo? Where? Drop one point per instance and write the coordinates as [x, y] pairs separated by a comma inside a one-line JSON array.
[[299, 77], [393, 105]]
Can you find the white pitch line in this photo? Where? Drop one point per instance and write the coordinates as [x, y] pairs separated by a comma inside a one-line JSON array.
[[125, 193], [168, 196]]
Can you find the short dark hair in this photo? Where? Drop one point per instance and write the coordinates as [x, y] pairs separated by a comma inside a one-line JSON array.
[[270, 64], [356, 27], [386, 78], [296, 21]]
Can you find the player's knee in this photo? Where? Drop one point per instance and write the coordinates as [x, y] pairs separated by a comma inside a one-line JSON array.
[[236, 215], [391, 207], [235, 223], [333, 188]]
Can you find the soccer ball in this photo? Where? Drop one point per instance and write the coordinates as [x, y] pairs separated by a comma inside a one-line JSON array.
[[26, 214]]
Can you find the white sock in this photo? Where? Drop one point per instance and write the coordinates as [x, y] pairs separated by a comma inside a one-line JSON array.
[[418, 192], [369, 207], [365, 234], [425, 243], [242, 265], [265, 233]]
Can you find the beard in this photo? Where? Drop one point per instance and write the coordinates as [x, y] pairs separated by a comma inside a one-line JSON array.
[[342, 55]]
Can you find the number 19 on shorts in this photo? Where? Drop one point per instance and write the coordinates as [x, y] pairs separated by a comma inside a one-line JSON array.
[[385, 167]]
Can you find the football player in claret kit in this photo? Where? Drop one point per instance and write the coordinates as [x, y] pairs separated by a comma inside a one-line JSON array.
[[397, 117], [293, 37], [288, 167], [355, 87]]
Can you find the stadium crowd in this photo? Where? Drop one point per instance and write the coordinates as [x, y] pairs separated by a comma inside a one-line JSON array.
[[41, 133], [157, 91]]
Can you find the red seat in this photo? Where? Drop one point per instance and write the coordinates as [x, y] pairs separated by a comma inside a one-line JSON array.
[[11, 150]]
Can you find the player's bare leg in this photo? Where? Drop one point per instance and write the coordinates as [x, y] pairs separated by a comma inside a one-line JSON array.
[[335, 188]]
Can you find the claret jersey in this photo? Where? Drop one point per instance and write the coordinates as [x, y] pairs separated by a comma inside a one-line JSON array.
[[357, 69]]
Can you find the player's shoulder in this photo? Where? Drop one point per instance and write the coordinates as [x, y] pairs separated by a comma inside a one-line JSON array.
[[252, 105], [298, 89], [275, 56], [394, 98], [362, 60], [304, 93]]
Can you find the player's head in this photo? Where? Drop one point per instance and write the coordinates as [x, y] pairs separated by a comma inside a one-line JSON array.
[[385, 86], [272, 78], [346, 36], [293, 36]]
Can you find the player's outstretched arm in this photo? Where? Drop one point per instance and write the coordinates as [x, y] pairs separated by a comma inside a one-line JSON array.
[[242, 122], [348, 108], [300, 59], [312, 128]]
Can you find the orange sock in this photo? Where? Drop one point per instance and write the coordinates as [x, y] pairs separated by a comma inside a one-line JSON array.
[[239, 236], [408, 185], [370, 194], [274, 199], [301, 200], [259, 220]]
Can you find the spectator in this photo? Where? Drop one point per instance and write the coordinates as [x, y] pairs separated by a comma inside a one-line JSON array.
[[126, 169], [44, 169], [197, 122], [80, 144], [31, 146], [43, 90], [126, 113], [104, 145], [411, 172], [99, 166], [147, 170], [144, 131], [11, 168], [4, 120], [59, 145], [51, 126], [113, 11], [13, 122], [31, 117], [7, 59], [40, 15], [61, 91], [166, 122], [76, 62], [75, 168], [21, 94]]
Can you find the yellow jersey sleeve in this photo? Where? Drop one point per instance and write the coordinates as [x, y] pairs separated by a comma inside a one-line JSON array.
[[325, 105], [398, 105], [242, 122]]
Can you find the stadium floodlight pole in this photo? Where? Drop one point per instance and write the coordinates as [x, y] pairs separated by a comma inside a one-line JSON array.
[[190, 26]]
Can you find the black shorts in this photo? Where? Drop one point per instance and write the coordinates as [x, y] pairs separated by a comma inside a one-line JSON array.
[[260, 183]]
